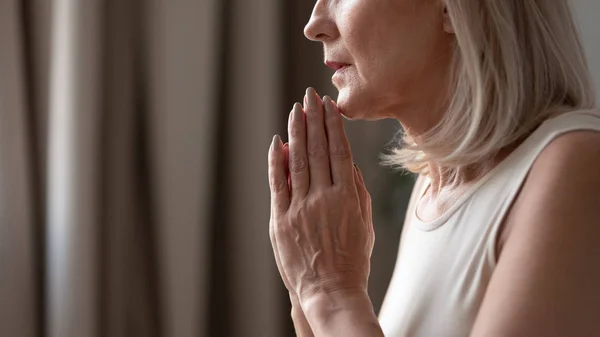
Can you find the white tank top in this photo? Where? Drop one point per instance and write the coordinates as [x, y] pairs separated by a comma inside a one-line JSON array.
[[444, 266]]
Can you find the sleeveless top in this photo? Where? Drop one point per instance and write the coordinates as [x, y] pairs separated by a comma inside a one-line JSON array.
[[444, 266]]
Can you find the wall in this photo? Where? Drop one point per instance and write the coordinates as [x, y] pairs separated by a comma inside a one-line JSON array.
[[587, 12]]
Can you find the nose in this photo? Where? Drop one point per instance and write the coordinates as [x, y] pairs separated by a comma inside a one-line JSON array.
[[321, 26]]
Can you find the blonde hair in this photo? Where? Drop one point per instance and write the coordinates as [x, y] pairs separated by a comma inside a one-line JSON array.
[[516, 63]]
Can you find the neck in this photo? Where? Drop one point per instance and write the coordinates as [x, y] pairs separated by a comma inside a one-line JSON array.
[[442, 180]]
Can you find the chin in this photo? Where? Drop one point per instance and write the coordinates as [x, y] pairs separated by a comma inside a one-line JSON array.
[[347, 105], [352, 106]]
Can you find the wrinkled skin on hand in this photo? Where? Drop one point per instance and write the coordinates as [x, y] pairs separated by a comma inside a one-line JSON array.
[[321, 224]]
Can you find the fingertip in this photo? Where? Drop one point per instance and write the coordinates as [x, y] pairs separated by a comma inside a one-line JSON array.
[[297, 111], [329, 107], [276, 143]]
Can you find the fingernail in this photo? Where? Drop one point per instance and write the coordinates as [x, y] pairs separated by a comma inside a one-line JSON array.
[[297, 112], [311, 96], [276, 141], [328, 104]]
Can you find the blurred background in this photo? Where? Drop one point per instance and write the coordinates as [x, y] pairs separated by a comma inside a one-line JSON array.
[[133, 164]]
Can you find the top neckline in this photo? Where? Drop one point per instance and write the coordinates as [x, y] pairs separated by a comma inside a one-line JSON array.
[[443, 218], [535, 137]]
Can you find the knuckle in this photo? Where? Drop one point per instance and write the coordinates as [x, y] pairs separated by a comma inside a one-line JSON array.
[[278, 185], [318, 150], [340, 151], [297, 213], [295, 129], [320, 199], [317, 198], [298, 163], [347, 190], [273, 161]]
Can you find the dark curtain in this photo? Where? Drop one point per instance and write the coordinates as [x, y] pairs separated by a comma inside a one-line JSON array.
[[133, 173]]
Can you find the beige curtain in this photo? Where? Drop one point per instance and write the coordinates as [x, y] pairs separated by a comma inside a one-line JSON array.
[[133, 189]]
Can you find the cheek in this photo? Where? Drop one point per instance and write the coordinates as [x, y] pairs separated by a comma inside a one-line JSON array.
[[382, 47], [376, 52]]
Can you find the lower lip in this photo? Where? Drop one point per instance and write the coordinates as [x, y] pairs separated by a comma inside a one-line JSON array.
[[340, 71]]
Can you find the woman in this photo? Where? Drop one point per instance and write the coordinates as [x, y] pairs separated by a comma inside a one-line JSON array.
[[502, 232]]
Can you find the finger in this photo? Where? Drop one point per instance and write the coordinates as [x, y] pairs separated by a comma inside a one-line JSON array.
[[286, 154], [365, 206], [340, 156], [273, 224], [317, 146], [367, 198], [280, 199], [274, 243], [298, 161], [362, 193]]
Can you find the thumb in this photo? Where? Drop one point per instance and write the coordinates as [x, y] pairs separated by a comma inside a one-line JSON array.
[[363, 195], [365, 205]]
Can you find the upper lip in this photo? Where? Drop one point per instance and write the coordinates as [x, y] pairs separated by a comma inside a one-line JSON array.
[[336, 65]]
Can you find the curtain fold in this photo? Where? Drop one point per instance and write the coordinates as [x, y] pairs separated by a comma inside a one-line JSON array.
[[134, 196], [19, 291], [182, 64], [131, 288], [109, 163]]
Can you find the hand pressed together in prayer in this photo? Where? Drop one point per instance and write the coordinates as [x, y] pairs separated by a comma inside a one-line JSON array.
[[321, 225]]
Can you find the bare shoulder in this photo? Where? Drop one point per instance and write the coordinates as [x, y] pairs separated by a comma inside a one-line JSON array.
[[545, 283], [567, 170], [575, 147], [564, 179]]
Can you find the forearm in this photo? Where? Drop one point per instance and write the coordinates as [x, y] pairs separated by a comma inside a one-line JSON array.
[[343, 313], [300, 323]]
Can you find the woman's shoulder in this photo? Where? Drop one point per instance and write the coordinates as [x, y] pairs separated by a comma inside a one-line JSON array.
[[568, 133], [565, 172], [562, 134], [570, 147], [572, 152], [553, 237], [574, 116], [564, 169]]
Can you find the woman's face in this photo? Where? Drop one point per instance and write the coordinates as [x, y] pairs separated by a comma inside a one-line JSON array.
[[398, 53]]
